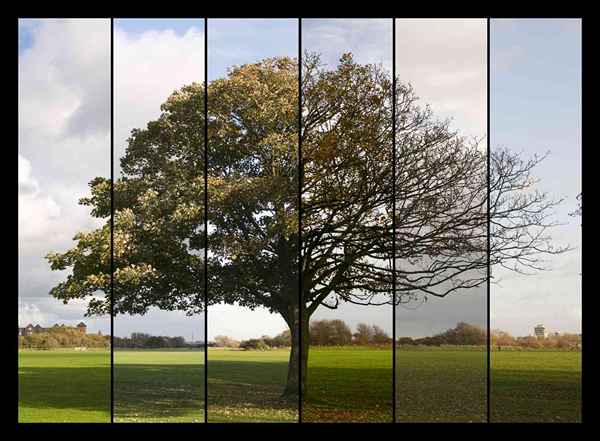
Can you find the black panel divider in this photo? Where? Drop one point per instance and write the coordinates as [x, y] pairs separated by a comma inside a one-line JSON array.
[[488, 321], [300, 183], [205, 220], [112, 223], [394, 287]]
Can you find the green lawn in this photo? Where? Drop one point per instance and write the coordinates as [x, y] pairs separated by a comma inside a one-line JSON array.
[[64, 386], [441, 385], [536, 386], [246, 386], [344, 384], [159, 385], [348, 384]]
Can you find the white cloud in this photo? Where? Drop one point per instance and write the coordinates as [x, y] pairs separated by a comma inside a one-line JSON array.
[[37, 211], [148, 68], [31, 313], [446, 62], [64, 96], [64, 142], [27, 184], [242, 323], [60, 77]]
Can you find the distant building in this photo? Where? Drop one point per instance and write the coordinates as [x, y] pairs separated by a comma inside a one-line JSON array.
[[27, 330], [540, 331], [37, 329]]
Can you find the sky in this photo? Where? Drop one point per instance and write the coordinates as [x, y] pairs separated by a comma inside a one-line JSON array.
[[535, 104], [64, 138], [64, 141]]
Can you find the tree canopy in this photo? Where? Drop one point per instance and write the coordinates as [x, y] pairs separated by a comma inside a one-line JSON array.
[[361, 199]]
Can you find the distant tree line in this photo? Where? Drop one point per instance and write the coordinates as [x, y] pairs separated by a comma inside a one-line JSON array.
[[322, 333], [140, 340], [338, 333], [501, 340], [281, 340], [463, 334], [63, 337]]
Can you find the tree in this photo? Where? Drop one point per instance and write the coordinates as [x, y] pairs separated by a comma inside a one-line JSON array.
[[579, 209], [256, 344], [282, 339], [341, 335], [330, 333], [380, 336], [402, 341], [464, 334], [177, 342], [501, 338], [320, 333], [348, 196], [364, 334], [223, 341]]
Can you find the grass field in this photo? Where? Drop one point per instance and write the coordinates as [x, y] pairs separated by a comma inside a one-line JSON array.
[[246, 386], [64, 386], [536, 386], [345, 384], [441, 385], [159, 386], [348, 384]]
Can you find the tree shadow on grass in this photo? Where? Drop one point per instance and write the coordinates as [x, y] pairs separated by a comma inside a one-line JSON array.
[[534, 395], [342, 394], [240, 391], [159, 392], [84, 389]]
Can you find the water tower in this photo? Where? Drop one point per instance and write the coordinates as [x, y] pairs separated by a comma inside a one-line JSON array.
[[540, 331]]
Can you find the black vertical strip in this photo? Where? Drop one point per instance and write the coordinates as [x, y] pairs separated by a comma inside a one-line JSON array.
[[206, 220], [112, 223], [488, 395], [17, 193], [581, 202], [300, 181], [393, 220]]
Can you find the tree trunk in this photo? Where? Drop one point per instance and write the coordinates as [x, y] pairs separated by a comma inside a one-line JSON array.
[[304, 345], [297, 367]]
